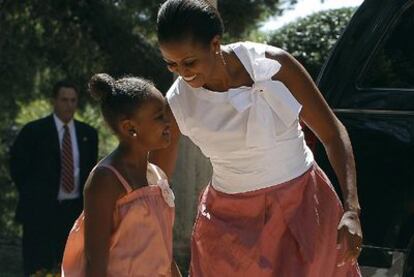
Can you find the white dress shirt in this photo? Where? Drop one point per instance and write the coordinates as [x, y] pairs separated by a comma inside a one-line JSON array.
[[251, 134], [64, 195]]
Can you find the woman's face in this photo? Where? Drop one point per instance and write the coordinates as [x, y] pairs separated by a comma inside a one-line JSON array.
[[193, 61]]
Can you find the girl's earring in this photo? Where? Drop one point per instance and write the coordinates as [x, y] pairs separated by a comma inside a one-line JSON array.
[[133, 133]]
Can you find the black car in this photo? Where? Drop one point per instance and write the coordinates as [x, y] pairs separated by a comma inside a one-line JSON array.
[[368, 80]]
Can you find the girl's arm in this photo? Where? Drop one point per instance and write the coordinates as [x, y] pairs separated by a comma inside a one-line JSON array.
[[322, 121], [166, 158], [101, 192]]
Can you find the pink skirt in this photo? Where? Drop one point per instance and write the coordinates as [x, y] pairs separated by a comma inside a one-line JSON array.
[[285, 230]]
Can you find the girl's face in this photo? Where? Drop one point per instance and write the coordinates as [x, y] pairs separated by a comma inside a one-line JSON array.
[[191, 60], [153, 126]]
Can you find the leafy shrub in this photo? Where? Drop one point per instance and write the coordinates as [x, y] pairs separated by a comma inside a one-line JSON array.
[[310, 39]]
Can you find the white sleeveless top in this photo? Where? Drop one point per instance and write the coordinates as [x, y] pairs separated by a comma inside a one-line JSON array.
[[251, 134]]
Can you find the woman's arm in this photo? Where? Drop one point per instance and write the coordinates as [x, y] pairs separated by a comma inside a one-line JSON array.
[[322, 121], [166, 158], [100, 195]]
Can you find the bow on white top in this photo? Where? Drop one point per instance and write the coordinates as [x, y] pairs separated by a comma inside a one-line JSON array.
[[265, 99]]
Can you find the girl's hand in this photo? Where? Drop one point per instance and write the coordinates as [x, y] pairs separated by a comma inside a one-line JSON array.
[[350, 237]]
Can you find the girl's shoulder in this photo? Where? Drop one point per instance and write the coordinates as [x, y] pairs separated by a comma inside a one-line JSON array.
[[103, 185]]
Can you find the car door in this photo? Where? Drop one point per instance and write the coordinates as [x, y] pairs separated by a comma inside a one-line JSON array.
[[368, 80]]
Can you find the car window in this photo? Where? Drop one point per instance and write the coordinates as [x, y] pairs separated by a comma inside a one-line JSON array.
[[392, 66]]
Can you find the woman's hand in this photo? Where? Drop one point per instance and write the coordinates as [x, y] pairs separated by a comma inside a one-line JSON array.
[[350, 237], [319, 117]]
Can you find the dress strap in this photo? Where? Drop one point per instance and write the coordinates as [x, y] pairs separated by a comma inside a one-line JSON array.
[[119, 176]]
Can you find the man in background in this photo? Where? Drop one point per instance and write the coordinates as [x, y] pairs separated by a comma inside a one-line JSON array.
[[49, 163]]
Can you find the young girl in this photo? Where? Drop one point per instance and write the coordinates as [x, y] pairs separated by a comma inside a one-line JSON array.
[[126, 226]]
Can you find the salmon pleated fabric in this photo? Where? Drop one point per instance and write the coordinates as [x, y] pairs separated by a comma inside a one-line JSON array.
[[287, 230], [141, 244]]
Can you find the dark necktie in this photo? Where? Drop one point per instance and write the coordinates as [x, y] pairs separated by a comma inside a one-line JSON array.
[[66, 174]]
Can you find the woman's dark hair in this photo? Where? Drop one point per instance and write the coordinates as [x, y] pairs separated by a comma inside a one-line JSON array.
[[120, 98], [188, 19]]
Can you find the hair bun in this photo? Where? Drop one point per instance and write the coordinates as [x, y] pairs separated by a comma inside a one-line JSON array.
[[101, 86]]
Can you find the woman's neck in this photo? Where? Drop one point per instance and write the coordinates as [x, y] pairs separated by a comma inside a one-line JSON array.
[[220, 78], [228, 73]]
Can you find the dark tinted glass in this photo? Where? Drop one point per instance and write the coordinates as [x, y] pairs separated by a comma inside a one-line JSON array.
[[393, 64]]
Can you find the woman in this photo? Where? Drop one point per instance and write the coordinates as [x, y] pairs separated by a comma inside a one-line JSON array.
[[269, 209]]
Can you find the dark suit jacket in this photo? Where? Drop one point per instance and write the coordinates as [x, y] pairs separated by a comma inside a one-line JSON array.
[[35, 165]]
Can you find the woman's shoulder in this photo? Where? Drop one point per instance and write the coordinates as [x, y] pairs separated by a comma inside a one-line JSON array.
[[278, 54], [255, 50], [261, 61], [289, 66]]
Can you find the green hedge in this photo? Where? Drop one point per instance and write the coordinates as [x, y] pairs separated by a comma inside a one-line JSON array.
[[310, 39]]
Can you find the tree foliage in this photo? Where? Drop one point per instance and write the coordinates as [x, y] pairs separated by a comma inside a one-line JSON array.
[[243, 16], [45, 40], [42, 41], [311, 38]]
